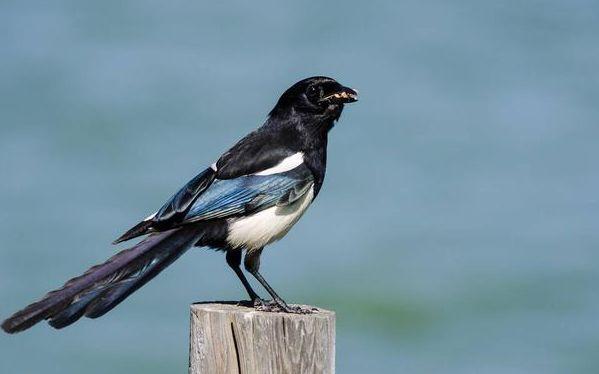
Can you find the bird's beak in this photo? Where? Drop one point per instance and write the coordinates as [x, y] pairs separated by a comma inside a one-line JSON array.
[[342, 96]]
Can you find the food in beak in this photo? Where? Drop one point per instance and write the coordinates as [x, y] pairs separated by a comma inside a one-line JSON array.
[[346, 96]]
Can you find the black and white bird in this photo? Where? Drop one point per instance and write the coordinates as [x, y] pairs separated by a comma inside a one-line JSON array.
[[249, 198]]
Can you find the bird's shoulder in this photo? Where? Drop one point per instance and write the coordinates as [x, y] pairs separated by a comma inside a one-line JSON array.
[[260, 150]]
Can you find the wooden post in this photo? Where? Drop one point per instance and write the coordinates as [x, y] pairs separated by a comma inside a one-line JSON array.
[[230, 339]]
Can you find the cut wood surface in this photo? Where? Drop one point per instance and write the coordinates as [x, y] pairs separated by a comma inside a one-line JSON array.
[[229, 339]]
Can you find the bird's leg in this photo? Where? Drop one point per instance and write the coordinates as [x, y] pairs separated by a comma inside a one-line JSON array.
[[252, 265], [234, 261]]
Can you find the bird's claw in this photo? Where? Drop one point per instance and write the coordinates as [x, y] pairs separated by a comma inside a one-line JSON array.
[[273, 306], [280, 307]]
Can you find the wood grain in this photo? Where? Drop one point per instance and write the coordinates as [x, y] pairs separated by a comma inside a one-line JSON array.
[[231, 339]]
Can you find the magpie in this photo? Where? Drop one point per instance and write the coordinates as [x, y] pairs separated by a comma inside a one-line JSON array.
[[249, 198]]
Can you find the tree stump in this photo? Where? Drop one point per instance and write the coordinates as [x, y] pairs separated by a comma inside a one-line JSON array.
[[229, 339]]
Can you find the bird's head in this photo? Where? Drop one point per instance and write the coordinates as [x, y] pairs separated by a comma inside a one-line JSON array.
[[321, 96]]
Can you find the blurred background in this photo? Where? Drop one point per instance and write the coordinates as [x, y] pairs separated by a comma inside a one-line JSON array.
[[457, 230]]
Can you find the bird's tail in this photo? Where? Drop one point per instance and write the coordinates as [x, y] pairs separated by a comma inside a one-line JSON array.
[[104, 286]]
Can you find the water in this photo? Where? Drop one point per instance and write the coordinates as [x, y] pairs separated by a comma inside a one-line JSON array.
[[457, 230]]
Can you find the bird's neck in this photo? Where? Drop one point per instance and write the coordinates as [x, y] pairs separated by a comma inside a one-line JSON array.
[[309, 130]]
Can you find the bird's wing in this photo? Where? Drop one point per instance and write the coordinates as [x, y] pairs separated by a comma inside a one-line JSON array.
[[250, 193], [245, 165], [241, 165], [179, 204]]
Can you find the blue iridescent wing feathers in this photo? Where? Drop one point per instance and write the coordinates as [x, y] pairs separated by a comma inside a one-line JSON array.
[[231, 197]]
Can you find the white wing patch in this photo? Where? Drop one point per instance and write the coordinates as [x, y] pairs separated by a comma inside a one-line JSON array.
[[286, 164], [150, 216], [267, 226]]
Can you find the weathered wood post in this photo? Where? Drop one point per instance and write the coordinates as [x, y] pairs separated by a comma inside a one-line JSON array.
[[231, 339]]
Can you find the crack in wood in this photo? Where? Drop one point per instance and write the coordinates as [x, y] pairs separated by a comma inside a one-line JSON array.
[[284, 332], [236, 348]]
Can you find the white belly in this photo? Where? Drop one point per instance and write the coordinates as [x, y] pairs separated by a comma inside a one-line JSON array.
[[268, 225]]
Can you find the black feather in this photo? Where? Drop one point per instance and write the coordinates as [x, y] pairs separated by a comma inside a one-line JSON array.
[[92, 292], [174, 210], [140, 229], [259, 150]]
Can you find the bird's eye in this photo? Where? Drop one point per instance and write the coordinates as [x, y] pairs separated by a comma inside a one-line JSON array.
[[314, 93]]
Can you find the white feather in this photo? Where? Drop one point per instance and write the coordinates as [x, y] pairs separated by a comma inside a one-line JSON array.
[[150, 216], [286, 164], [267, 226]]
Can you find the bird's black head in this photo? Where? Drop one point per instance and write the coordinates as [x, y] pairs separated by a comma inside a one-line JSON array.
[[321, 96]]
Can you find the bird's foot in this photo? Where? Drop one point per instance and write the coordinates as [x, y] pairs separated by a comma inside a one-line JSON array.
[[274, 306]]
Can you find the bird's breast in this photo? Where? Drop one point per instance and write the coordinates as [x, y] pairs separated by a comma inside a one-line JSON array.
[[268, 225]]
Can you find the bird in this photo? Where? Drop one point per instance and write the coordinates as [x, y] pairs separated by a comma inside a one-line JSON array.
[[249, 198]]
